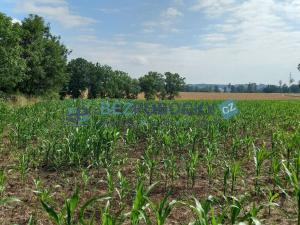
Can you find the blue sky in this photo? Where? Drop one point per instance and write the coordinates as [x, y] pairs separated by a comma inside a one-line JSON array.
[[207, 41]]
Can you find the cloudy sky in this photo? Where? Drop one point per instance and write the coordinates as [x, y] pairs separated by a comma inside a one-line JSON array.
[[207, 41]]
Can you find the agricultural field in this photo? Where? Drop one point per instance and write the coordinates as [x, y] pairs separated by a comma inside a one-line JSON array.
[[148, 168], [237, 96]]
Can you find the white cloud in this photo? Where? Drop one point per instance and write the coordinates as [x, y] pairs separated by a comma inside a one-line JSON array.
[[254, 41], [166, 22], [58, 10], [14, 20], [172, 12], [254, 24], [245, 41], [216, 37], [214, 7], [228, 63]]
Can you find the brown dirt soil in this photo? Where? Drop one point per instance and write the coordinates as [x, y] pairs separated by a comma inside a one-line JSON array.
[[63, 184]]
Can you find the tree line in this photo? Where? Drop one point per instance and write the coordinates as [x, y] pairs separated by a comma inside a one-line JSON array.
[[245, 88], [34, 62]]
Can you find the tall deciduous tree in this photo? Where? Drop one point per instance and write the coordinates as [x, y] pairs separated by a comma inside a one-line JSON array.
[[173, 84], [80, 71], [45, 56], [152, 84], [123, 86], [12, 66]]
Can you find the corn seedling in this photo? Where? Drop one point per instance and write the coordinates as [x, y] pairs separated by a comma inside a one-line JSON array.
[[23, 166], [235, 171], [294, 182], [271, 198], [109, 182], [31, 221], [191, 167], [139, 204], [225, 178], [107, 218], [66, 216], [201, 211], [42, 193], [251, 216], [209, 164], [162, 209], [2, 182], [171, 168], [275, 170], [122, 190], [150, 162], [7, 200], [85, 177], [260, 154]]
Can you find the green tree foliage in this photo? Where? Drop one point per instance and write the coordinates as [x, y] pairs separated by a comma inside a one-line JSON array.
[[252, 88], [34, 62], [45, 56], [96, 81], [104, 82], [123, 86], [80, 71], [12, 66], [173, 84], [101, 81], [152, 84]]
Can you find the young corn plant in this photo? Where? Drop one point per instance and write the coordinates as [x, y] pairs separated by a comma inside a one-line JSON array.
[[137, 212], [42, 193], [31, 221], [209, 158], [236, 208], [162, 209], [260, 155], [191, 165], [109, 182], [122, 190], [150, 162], [130, 137], [107, 218], [171, 168], [251, 217], [234, 171], [140, 170], [295, 183], [201, 212], [271, 198], [66, 216], [85, 177], [23, 166], [275, 170], [226, 176], [3, 199], [7, 200], [2, 182]]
